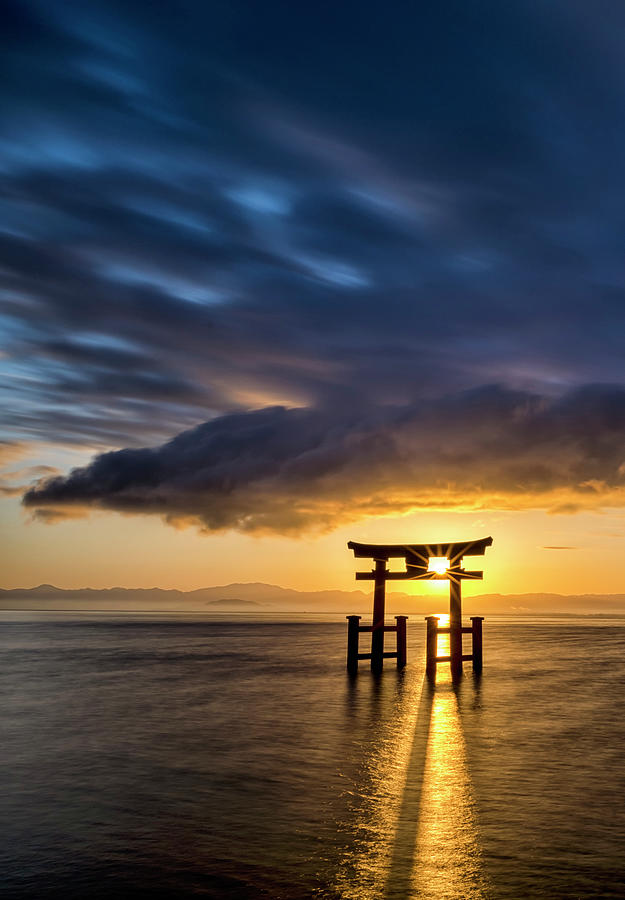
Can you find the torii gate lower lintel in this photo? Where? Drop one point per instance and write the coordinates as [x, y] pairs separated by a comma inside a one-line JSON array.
[[417, 558]]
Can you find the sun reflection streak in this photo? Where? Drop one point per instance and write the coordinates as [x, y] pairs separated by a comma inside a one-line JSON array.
[[447, 854], [414, 833]]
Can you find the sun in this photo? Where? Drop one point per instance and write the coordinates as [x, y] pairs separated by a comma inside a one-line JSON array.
[[438, 564]]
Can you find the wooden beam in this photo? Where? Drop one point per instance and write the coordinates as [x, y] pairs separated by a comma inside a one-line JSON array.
[[385, 655], [400, 628], [421, 553], [431, 646], [447, 630], [377, 634], [352, 644], [476, 645], [459, 574], [455, 628]]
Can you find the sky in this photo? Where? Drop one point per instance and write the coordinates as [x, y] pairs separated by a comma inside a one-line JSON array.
[[280, 275]]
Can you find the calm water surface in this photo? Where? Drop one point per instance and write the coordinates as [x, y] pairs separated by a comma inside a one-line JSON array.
[[165, 756]]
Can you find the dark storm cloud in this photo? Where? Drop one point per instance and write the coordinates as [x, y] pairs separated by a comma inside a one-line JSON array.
[[280, 470], [221, 206]]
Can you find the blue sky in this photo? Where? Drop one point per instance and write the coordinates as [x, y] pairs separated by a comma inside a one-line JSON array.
[[294, 264]]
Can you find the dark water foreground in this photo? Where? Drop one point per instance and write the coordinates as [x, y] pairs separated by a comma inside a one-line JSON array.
[[172, 757]]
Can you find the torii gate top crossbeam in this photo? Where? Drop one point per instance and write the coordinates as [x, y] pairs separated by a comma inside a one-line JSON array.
[[417, 557], [418, 554]]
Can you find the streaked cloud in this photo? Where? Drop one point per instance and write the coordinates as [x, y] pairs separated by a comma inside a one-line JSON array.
[[10, 451], [560, 548], [365, 218]]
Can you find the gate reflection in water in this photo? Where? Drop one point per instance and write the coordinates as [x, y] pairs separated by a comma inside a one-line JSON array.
[[417, 834]]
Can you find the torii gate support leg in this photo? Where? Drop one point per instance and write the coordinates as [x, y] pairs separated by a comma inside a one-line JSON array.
[[353, 630], [401, 641], [431, 646], [455, 628], [476, 627], [377, 635]]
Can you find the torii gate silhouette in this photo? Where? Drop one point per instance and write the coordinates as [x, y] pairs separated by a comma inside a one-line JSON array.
[[417, 557]]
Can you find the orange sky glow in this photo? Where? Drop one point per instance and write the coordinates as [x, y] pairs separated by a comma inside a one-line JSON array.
[[532, 551]]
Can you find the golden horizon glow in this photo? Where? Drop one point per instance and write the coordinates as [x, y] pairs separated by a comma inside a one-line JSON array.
[[532, 552]]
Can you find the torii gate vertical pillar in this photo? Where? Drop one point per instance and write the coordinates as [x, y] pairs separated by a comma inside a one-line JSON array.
[[455, 627], [379, 598]]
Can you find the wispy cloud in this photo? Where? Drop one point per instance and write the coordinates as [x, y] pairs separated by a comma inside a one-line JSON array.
[[11, 451], [560, 548], [192, 216]]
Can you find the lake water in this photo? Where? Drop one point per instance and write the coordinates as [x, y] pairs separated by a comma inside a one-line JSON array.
[[179, 756]]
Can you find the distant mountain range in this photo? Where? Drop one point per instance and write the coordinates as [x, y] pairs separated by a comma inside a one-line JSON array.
[[258, 597]]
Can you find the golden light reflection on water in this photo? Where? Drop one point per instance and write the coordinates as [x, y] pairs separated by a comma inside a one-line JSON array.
[[447, 853], [415, 833], [370, 840]]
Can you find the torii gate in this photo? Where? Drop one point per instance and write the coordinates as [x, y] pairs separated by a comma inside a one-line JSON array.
[[417, 557]]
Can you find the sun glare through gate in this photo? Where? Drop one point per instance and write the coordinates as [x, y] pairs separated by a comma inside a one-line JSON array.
[[438, 564]]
